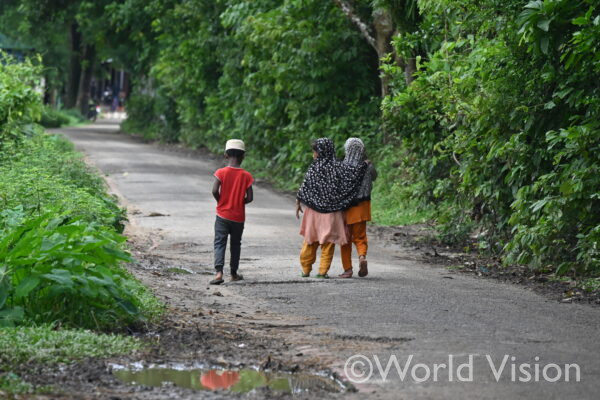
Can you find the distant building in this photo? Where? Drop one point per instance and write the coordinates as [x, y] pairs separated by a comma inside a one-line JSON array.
[[14, 48]]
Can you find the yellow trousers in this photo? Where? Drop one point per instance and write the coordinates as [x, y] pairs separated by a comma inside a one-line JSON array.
[[358, 236], [308, 256]]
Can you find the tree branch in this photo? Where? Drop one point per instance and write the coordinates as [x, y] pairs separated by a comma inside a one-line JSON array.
[[364, 28]]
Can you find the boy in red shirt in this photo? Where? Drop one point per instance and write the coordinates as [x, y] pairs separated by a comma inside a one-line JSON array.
[[233, 190]]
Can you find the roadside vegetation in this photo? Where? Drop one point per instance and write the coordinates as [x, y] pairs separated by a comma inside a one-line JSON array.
[[55, 118], [61, 251]]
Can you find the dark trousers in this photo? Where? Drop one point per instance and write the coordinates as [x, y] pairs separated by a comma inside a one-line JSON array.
[[234, 230]]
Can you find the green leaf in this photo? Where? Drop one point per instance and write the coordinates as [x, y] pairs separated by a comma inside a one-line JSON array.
[[544, 25], [26, 286], [5, 286], [11, 316], [566, 188], [538, 205], [60, 276], [580, 21], [563, 268], [544, 45]]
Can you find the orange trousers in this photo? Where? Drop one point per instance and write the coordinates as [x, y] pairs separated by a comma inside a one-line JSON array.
[[358, 236], [308, 256]]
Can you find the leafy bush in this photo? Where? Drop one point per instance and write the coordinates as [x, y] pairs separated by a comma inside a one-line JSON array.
[[152, 116], [501, 129], [59, 269], [20, 103], [54, 118]]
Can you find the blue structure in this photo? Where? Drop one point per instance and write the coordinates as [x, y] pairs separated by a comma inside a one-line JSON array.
[[14, 48]]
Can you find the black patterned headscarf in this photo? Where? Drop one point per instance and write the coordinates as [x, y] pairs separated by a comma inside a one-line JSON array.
[[330, 185]]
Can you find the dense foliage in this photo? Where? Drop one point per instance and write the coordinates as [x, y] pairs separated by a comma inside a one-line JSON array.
[[60, 250], [501, 128], [274, 73]]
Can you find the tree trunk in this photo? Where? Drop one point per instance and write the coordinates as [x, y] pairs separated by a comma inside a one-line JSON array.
[[83, 97], [74, 67], [380, 40], [410, 68], [384, 30]]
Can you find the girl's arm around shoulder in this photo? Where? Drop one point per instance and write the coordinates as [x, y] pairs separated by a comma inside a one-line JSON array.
[[372, 170]]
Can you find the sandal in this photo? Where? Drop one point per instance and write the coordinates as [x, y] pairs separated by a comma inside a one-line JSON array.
[[363, 271], [346, 274], [324, 276], [304, 275], [237, 277], [217, 281]]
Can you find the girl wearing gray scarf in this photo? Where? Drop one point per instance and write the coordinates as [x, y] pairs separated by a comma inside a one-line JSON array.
[[358, 215]]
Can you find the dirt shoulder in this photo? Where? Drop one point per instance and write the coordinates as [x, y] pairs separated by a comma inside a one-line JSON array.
[[420, 240]]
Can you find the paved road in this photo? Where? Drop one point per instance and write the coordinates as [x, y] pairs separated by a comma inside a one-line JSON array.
[[404, 308]]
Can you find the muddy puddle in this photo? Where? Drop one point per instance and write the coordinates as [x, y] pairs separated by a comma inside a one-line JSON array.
[[239, 381]]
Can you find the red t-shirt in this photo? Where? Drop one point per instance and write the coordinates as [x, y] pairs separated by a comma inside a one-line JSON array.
[[234, 183]]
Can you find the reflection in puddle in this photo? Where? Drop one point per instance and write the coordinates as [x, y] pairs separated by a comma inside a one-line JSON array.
[[240, 381]]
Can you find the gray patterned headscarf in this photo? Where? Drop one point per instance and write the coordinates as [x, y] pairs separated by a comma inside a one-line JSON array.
[[330, 185], [356, 157], [355, 151]]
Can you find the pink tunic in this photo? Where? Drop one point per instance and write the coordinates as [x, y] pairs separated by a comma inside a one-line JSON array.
[[323, 227]]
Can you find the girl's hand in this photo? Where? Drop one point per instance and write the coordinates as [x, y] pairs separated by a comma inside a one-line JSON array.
[[298, 210]]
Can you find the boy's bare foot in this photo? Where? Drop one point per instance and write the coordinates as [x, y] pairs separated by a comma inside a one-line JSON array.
[[218, 279], [346, 274], [363, 270], [236, 277]]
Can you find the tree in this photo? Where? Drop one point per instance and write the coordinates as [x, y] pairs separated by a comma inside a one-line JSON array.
[[387, 18], [84, 23]]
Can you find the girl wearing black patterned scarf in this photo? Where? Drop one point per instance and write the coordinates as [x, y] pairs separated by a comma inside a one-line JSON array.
[[329, 187], [356, 217]]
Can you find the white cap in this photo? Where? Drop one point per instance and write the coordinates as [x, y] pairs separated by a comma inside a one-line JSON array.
[[236, 144]]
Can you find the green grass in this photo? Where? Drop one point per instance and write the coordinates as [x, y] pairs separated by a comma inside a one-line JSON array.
[[45, 345], [49, 346], [13, 384], [175, 270], [591, 284], [392, 204], [390, 211], [150, 306]]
